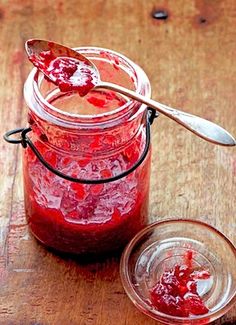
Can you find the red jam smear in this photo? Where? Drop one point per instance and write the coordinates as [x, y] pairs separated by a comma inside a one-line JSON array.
[[69, 74], [104, 98], [176, 292]]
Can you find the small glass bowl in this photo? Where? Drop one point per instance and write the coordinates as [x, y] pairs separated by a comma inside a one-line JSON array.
[[164, 244]]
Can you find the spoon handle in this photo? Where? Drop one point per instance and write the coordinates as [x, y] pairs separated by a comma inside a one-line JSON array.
[[199, 126]]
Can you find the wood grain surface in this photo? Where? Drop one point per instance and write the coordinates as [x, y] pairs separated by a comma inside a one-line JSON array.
[[190, 61]]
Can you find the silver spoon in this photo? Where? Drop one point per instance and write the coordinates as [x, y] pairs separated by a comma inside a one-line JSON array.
[[199, 126]]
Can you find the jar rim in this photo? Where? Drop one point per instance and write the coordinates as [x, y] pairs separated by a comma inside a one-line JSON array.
[[55, 114]]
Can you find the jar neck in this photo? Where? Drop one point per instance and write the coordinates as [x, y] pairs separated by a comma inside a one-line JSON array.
[[66, 129]]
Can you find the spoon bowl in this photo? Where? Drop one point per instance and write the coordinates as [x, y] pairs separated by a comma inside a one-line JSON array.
[[35, 47], [76, 72]]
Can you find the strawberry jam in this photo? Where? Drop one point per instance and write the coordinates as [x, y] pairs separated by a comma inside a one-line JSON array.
[[67, 73], [84, 218], [176, 292], [93, 137]]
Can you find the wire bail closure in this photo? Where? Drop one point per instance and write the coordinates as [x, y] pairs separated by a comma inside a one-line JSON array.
[[25, 141]]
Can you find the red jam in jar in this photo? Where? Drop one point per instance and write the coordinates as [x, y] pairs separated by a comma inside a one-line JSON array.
[[93, 137]]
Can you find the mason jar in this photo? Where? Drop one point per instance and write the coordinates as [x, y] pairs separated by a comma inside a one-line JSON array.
[[86, 160]]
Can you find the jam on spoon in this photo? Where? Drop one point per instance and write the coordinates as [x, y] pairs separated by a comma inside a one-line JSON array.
[[68, 73]]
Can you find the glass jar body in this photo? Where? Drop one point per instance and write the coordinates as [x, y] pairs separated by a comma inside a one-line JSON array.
[[78, 217]]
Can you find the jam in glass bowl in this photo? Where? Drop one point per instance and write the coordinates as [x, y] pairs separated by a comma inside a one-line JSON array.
[[180, 272]]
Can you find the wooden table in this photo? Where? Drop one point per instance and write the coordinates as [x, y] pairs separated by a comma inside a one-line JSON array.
[[190, 60]]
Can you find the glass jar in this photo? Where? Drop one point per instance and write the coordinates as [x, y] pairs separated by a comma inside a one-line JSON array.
[[96, 142]]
